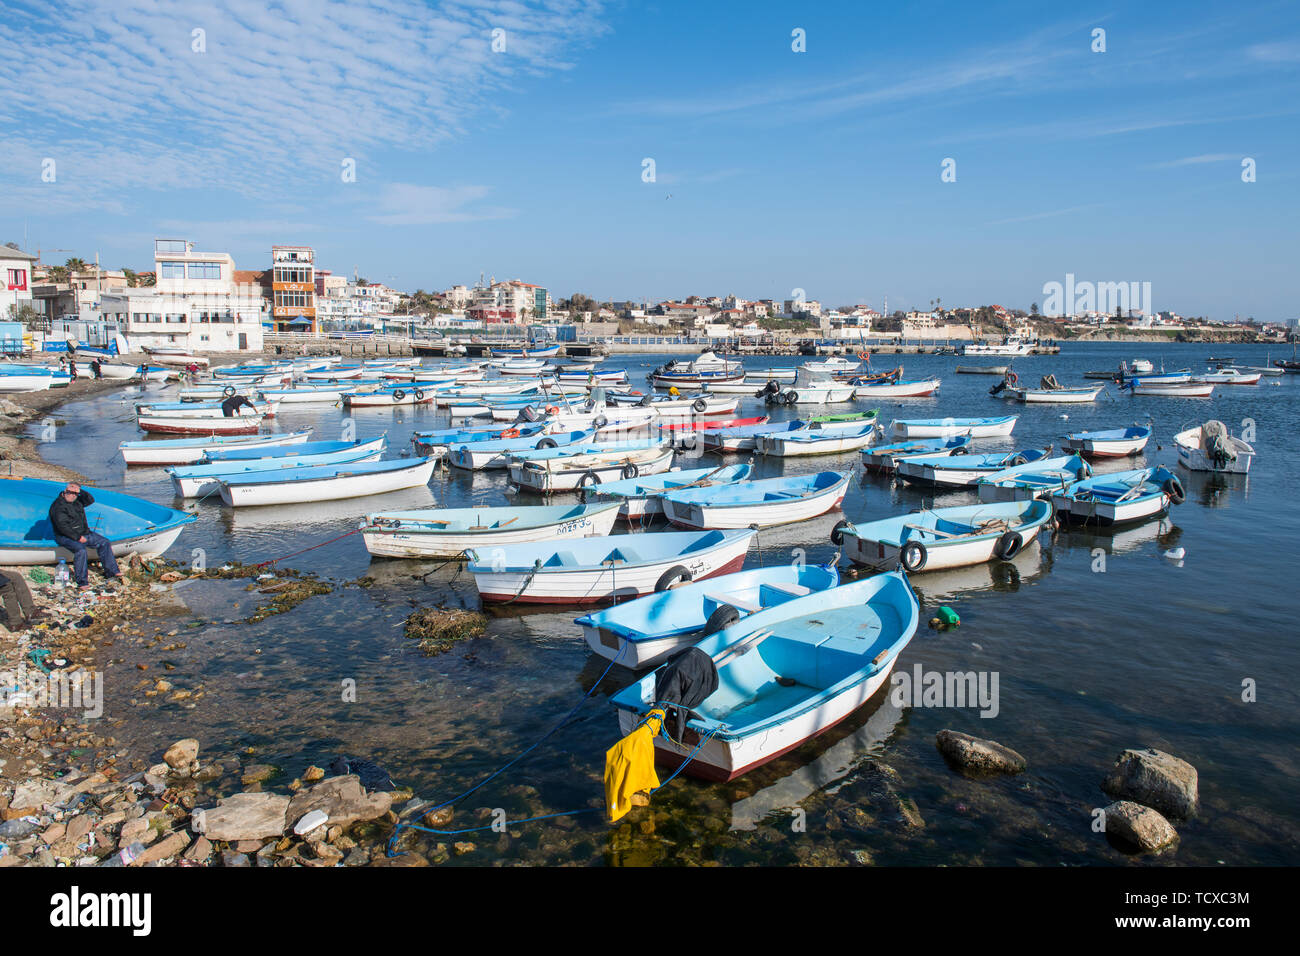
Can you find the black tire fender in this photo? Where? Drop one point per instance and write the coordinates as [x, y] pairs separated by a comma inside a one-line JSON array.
[[398, 395], [913, 556], [699, 404], [791, 397], [837, 532], [1008, 546], [672, 577], [589, 479], [228, 391], [1174, 489], [723, 616], [630, 470], [547, 443]]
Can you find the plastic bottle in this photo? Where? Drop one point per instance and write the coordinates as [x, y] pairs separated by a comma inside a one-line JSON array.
[[124, 857], [61, 576]]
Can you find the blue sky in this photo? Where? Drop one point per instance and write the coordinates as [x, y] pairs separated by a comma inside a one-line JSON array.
[[774, 169]]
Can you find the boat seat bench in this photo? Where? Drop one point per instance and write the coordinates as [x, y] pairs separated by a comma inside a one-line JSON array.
[[738, 603]]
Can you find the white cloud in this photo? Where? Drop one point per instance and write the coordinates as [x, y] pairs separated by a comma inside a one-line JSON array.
[[405, 204]]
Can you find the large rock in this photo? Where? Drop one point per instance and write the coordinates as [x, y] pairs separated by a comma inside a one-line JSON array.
[[182, 754], [1140, 826], [343, 800], [1156, 779], [976, 756], [35, 794], [164, 849], [244, 816]]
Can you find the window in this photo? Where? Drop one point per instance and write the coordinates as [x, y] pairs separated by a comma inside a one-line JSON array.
[[17, 280], [205, 270], [171, 270]]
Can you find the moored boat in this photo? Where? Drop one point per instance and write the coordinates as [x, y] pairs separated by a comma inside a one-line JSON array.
[[1109, 443], [948, 427], [640, 497], [1035, 480], [186, 451], [1119, 497], [817, 440], [193, 481], [326, 482], [764, 503], [883, 458], [1212, 447], [962, 471], [451, 532]]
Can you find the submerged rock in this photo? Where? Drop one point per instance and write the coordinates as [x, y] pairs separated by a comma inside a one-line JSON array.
[[183, 755], [977, 756], [244, 816], [1140, 826], [1156, 779], [342, 799]]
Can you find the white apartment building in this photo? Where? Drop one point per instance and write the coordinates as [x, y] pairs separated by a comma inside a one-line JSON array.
[[196, 304], [16, 273]]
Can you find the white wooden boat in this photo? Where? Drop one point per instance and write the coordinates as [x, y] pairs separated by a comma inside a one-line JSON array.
[[496, 452], [1110, 443], [389, 398], [884, 458], [574, 472], [1227, 376], [817, 440], [948, 427], [961, 471], [809, 388], [451, 532], [1053, 396], [642, 632], [308, 394], [194, 481], [327, 482], [597, 570], [1039, 479], [1211, 447], [640, 497], [118, 370], [1169, 389], [915, 389], [764, 503], [188, 451], [1118, 497], [784, 675], [235, 425], [198, 410], [174, 356], [943, 537]]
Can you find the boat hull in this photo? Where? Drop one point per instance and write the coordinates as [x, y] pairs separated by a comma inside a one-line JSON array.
[[397, 543], [702, 516], [326, 489]]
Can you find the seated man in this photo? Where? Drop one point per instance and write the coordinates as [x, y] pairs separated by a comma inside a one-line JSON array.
[[20, 612], [68, 517]]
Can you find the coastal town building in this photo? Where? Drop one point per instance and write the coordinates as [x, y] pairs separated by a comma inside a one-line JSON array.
[[16, 270], [293, 289]]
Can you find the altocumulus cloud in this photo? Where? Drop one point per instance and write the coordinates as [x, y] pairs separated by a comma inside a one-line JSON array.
[[114, 90]]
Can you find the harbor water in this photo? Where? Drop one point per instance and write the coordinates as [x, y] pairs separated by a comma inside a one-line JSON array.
[[1098, 642]]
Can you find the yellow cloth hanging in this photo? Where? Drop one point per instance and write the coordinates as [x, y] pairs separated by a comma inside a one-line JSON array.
[[630, 768]]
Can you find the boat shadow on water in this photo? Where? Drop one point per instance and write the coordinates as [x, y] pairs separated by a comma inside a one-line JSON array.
[[1122, 540]]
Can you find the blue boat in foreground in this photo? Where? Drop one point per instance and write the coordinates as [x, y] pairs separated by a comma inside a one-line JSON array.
[[1119, 497], [240, 453], [643, 632], [783, 675], [962, 471], [640, 497], [885, 457], [1036, 480], [132, 524]]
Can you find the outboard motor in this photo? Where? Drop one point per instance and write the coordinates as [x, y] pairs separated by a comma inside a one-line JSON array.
[[527, 414]]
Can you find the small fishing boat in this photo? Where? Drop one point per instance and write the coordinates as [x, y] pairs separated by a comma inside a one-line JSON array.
[[946, 471], [1212, 447], [326, 482], [31, 378], [565, 469], [1111, 443], [1011, 345], [943, 537], [1140, 386], [309, 394], [440, 441], [480, 454], [1226, 376], [985, 370], [643, 632], [719, 438], [389, 397], [601, 419], [1118, 497], [707, 368], [173, 356], [1036, 480], [520, 366], [947, 427], [640, 497], [917, 389], [809, 388], [764, 503], [883, 458], [546, 352], [131, 524], [450, 532], [784, 675], [193, 481], [245, 451], [818, 440], [202, 410], [670, 405], [218, 425], [1052, 393], [707, 424], [597, 570], [189, 451]]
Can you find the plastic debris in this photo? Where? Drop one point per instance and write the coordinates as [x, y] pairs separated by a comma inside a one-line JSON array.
[[944, 619], [311, 821]]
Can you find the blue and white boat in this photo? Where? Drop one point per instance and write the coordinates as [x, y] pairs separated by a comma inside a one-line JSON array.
[[643, 632], [495, 453], [885, 457], [189, 451], [962, 471], [639, 497], [784, 675], [948, 427], [1037, 479], [193, 481], [1119, 497], [943, 537], [132, 524], [1109, 443], [597, 570], [325, 482], [577, 466], [818, 440], [238, 452], [450, 532], [764, 503], [437, 442]]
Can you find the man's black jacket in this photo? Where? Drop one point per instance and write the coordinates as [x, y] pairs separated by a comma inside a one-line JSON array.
[[69, 517]]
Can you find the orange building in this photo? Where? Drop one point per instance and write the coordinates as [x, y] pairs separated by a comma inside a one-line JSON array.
[[293, 289]]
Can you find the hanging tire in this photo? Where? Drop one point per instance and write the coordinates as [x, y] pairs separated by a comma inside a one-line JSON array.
[[1008, 546], [228, 391], [419, 395], [1019, 460], [699, 404], [672, 577], [589, 479], [398, 395], [722, 617], [1174, 489], [913, 556], [791, 397], [630, 470], [547, 443], [837, 532]]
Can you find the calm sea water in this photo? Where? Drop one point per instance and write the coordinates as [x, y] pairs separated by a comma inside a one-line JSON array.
[[1099, 643]]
